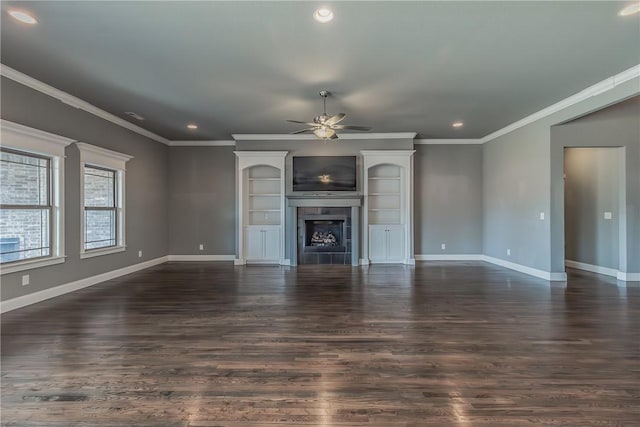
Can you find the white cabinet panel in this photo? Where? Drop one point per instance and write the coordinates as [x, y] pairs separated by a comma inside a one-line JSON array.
[[386, 243], [377, 243], [262, 243], [254, 243], [395, 243], [272, 243]]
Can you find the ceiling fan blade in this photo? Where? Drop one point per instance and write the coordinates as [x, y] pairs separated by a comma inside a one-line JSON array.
[[348, 127], [335, 119], [304, 123], [334, 136], [302, 131]]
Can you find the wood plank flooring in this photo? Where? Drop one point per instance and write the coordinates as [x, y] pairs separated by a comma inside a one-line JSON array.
[[441, 344]]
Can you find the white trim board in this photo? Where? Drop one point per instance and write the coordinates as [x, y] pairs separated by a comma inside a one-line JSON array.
[[450, 257], [592, 268], [36, 297], [75, 102], [546, 275], [628, 277], [593, 90], [290, 137], [219, 143], [619, 275], [201, 257]]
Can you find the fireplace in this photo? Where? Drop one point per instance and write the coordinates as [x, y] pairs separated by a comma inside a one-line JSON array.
[[324, 235]]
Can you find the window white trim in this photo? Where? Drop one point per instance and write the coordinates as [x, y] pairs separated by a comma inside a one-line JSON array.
[[101, 157], [101, 251], [28, 264], [30, 140]]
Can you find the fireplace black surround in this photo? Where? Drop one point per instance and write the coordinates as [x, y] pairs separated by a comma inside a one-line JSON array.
[[324, 235]]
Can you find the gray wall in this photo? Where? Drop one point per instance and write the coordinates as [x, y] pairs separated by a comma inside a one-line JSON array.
[[515, 191], [202, 195], [591, 188], [523, 176], [448, 199], [615, 126], [146, 188]]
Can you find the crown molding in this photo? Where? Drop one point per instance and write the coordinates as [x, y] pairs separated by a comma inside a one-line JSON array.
[[447, 141], [220, 143], [596, 89], [75, 102], [290, 137]]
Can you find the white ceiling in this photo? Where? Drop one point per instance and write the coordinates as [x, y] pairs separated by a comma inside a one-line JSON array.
[[245, 67]]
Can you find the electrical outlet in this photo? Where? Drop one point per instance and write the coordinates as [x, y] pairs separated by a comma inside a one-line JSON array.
[[25, 280], [201, 247], [508, 252], [443, 246], [541, 216], [608, 215], [139, 254]]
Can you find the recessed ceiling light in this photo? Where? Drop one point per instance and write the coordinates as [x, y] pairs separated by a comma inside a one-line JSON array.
[[323, 15], [630, 9], [457, 124], [192, 126], [23, 16]]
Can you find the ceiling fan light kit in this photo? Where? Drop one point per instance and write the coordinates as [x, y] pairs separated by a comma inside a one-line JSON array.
[[325, 126]]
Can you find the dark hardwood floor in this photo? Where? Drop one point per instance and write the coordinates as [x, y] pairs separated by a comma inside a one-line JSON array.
[[441, 344]]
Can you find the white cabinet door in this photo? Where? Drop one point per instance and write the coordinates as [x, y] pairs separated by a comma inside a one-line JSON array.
[[254, 243], [262, 243], [377, 243], [271, 237], [386, 243], [395, 242]]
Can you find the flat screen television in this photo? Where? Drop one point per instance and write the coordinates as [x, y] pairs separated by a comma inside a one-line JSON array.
[[324, 173]]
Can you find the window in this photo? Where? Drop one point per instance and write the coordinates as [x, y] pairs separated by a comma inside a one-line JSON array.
[[102, 200], [100, 208], [31, 208], [25, 200]]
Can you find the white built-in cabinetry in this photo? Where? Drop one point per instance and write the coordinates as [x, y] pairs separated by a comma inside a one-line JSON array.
[[388, 206], [260, 195]]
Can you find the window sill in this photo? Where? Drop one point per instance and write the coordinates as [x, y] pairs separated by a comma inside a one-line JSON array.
[[30, 264], [106, 251]]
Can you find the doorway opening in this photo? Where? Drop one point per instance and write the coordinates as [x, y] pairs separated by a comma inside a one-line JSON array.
[[594, 209]]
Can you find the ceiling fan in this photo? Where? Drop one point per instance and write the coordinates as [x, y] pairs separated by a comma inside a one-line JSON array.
[[325, 126]]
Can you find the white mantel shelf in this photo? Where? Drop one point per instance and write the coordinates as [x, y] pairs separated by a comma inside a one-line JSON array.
[[321, 200]]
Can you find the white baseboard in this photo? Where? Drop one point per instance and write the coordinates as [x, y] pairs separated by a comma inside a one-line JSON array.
[[202, 257], [628, 277], [39, 296], [450, 257], [285, 262], [592, 268], [619, 275], [364, 261], [239, 261], [546, 275]]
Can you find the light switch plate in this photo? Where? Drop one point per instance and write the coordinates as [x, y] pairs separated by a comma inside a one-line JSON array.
[[541, 216], [608, 215]]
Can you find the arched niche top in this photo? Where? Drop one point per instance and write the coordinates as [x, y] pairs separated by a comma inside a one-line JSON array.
[[264, 158], [400, 158]]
